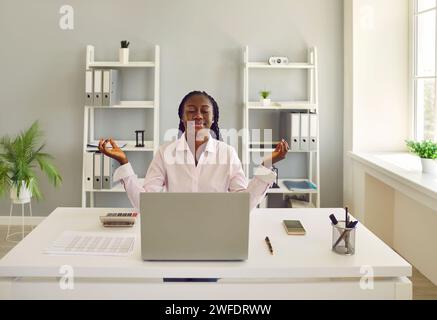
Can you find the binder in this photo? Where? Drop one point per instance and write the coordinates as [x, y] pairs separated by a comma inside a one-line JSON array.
[[97, 87], [88, 163], [111, 88], [295, 131], [89, 93], [108, 169], [313, 132], [304, 131], [290, 128], [97, 184], [284, 128]]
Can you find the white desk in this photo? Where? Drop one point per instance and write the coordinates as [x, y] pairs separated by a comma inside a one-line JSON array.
[[302, 267]]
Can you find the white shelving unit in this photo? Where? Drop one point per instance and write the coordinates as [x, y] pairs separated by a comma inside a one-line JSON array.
[[310, 105], [88, 134]]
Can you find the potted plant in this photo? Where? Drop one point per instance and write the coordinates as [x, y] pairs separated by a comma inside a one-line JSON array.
[[427, 151], [265, 98], [124, 52], [18, 158]]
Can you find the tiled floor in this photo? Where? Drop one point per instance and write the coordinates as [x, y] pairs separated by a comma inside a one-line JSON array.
[[423, 289]]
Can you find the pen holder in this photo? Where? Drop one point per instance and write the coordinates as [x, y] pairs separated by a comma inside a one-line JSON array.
[[343, 239]]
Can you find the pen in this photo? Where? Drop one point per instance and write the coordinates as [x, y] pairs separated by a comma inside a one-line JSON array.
[[333, 220], [347, 217], [269, 245], [344, 234], [341, 238]]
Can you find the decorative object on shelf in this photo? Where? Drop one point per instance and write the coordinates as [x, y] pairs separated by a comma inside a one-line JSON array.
[[278, 60], [18, 157], [137, 139], [124, 52], [276, 183], [427, 151], [265, 98]]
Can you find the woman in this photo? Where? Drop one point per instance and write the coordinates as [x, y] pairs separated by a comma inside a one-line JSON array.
[[197, 161]]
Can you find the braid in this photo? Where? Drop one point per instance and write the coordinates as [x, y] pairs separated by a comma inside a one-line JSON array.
[[214, 127], [181, 128]]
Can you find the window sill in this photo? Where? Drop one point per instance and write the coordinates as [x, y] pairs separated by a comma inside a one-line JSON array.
[[403, 169]]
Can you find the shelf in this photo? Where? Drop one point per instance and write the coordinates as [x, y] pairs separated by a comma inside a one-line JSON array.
[[284, 190], [147, 108], [306, 104], [253, 150], [130, 146], [117, 188], [286, 105], [266, 65], [128, 105], [116, 64]]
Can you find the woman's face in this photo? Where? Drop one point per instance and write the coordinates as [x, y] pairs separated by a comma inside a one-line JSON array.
[[198, 112]]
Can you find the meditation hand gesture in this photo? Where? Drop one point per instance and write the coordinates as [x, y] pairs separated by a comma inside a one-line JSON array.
[[278, 154], [115, 152]]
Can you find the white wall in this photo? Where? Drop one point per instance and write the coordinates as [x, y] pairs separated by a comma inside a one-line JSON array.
[[201, 48], [381, 70], [376, 109]]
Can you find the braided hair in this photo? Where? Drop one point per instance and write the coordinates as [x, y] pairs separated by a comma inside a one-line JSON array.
[[214, 127]]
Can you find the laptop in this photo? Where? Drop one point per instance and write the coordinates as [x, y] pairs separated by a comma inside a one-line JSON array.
[[194, 226]]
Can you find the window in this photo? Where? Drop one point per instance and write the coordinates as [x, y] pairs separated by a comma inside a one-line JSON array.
[[425, 69]]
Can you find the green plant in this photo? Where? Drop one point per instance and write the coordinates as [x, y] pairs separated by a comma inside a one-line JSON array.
[[18, 159], [264, 94], [425, 149]]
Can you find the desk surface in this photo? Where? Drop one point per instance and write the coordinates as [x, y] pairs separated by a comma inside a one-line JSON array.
[[308, 256]]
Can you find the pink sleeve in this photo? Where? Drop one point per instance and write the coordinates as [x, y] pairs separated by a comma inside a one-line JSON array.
[[257, 187], [153, 182]]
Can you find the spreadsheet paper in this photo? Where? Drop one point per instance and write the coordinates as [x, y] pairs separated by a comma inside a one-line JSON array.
[[92, 243]]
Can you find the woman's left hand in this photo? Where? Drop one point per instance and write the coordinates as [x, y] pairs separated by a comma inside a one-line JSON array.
[[278, 154]]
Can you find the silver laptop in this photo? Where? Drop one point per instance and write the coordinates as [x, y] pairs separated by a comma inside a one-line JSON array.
[[194, 226]]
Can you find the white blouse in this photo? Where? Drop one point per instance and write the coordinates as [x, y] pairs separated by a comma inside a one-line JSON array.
[[173, 169]]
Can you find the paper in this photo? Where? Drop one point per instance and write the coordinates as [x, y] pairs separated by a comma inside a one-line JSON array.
[[92, 243], [304, 185]]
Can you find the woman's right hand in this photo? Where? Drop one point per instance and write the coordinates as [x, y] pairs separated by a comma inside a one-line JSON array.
[[115, 153]]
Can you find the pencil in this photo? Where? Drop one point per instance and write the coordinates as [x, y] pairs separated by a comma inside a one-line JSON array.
[[269, 245]]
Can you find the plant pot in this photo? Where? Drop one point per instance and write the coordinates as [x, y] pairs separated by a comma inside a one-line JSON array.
[[24, 196], [266, 102], [124, 55], [429, 166]]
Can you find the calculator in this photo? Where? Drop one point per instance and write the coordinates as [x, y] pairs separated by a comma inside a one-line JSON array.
[[119, 219]]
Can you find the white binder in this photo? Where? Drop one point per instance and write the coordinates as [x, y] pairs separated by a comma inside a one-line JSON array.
[[97, 87], [97, 184], [111, 88], [89, 93], [108, 169], [313, 132], [304, 131], [88, 163], [295, 131]]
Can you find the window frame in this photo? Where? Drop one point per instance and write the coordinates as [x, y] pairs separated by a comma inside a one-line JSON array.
[[416, 131]]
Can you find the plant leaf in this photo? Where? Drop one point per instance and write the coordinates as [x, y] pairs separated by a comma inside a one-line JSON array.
[[49, 169]]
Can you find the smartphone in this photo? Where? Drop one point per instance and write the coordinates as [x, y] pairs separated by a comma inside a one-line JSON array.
[[294, 227]]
